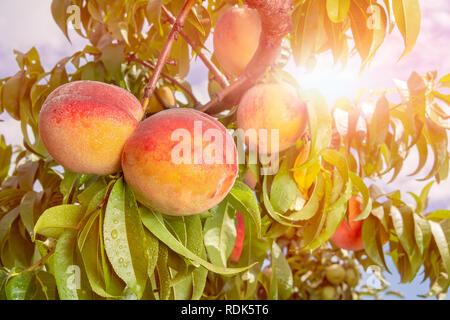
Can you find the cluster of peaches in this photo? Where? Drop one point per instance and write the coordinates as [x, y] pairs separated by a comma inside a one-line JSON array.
[[96, 128]]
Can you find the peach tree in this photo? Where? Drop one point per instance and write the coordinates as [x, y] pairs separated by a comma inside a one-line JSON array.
[[91, 207]]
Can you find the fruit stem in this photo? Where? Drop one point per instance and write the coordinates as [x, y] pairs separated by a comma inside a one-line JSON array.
[[165, 52]]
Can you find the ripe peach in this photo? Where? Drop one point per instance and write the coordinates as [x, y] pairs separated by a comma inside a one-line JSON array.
[[236, 38], [268, 107], [168, 164], [84, 125], [240, 235], [348, 235]]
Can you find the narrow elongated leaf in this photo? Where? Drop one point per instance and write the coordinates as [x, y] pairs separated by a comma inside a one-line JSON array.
[[59, 8], [152, 252], [362, 188], [125, 238], [284, 190], [379, 124], [243, 200], [372, 241], [21, 287], [6, 221], [54, 220], [306, 26], [11, 94], [408, 18], [319, 121], [442, 244], [67, 279], [220, 234], [163, 273], [282, 281], [155, 223], [337, 10], [403, 222]]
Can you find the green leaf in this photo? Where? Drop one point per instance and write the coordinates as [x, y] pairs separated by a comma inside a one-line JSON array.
[[403, 222], [59, 13], [27, 210], [124, 238], [21, 287], [372, 241], [89, 246], [155, 223], [379, 125], [281, 282], [153, 14], [408, 18], [272, 212], [319, 121], [112, 56], [445, 80], [163, 273], [284, 190], [306, 25], [220, 234], [334, 215], [65, 268], [311, 208], [243, 200], [337, 10], [6, 222], [5, 157], [11, 94], [437, 137], [442, 244], [359, 184], [54, 220], [438, 215], [152, 251], [362, 35]]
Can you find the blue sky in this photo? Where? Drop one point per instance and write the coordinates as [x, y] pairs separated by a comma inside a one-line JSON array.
[[27, 23]]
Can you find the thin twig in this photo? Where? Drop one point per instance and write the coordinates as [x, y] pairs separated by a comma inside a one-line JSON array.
[[165, 52], [40, 261], [218, 75], [175, 82]]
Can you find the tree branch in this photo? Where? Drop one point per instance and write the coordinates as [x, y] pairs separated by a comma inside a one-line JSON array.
[[165, 52], [218, 75], [276, 23], [175, 82]]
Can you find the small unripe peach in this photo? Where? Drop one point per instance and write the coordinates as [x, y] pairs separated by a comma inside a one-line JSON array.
[[270, 111], [352, 277], [329, 293], [167, 97], [236, 38], [84, 125], [335, 273], [167, 165]]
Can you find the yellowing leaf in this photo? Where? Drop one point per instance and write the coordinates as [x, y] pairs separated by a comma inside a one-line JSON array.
[[337, 10], [54, 220], [408, 17]]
